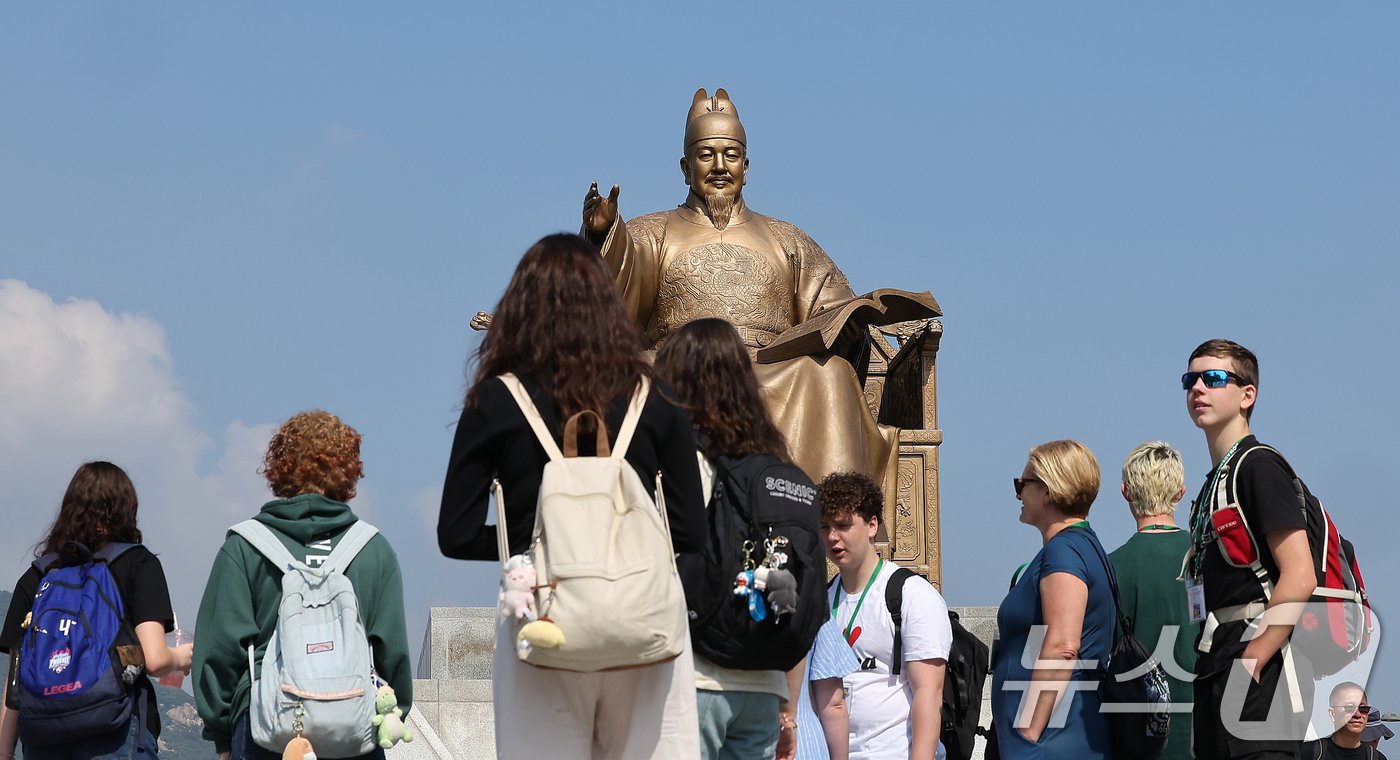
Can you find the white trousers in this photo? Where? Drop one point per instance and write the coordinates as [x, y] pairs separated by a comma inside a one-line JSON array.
[[645, 713]]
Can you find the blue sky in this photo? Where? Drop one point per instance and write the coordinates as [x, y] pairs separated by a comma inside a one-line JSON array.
[[213, 217]]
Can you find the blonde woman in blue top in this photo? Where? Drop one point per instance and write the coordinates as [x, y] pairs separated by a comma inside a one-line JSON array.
[[1066, 589]]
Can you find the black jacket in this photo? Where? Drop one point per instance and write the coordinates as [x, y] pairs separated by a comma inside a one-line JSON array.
[[494, 440]]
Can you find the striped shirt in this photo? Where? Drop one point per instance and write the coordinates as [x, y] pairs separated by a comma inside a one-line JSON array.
[[830, 657]]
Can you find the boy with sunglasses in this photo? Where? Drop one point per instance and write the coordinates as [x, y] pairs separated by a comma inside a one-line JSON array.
[[1250, 698], [1349, 712]]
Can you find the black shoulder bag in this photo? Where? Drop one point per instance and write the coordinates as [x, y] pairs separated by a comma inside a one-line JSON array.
[[1133, 693]]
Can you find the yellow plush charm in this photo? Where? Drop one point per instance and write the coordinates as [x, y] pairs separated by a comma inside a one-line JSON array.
[[542, 633]]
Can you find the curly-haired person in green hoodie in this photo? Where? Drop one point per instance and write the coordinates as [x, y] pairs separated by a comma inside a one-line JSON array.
[[312, 465]]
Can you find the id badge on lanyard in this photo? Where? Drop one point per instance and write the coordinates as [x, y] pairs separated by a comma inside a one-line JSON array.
[[1195, 600]]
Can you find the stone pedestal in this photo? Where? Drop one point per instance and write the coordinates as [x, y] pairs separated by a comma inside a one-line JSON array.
[[452, 714]]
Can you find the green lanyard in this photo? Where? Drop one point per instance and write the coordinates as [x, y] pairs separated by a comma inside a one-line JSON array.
[[851, 623], [1200, 512]]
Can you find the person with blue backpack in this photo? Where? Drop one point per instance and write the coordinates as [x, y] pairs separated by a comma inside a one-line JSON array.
[[87, 623], [303, 607]]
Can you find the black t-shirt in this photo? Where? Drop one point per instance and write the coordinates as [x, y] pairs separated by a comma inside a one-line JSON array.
[[1269, 500], [145, 598], [1326, 749]]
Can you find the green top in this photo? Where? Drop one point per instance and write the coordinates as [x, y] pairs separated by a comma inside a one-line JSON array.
[[1147, 567], [240, 607]]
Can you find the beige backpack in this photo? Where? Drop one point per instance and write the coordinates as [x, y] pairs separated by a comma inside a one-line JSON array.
[[605, 569]]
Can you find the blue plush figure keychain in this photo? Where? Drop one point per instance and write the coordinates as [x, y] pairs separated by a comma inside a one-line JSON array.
[[744, 586], [749, 586]]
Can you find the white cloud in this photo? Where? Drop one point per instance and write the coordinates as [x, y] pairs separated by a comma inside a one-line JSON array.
[[79, 383]]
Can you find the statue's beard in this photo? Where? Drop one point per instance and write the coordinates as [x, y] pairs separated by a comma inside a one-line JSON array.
[[720, 206]]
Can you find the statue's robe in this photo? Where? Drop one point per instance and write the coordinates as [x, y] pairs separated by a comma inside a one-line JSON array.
[[764, 276]]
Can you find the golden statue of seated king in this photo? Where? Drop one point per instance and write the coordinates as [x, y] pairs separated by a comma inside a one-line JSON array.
[[714, 257]]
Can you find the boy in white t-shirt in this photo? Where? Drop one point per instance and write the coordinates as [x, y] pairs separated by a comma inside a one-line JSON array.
[[892, 717]]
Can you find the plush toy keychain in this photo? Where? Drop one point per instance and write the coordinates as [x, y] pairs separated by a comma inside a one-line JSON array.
[[746, 588], [518, 603], [748, 584], [542, 633], [781, 584], [388, 718], [298, 749], [518, 588]]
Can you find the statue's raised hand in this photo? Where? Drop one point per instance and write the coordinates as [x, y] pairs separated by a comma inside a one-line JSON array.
[[599, 213]]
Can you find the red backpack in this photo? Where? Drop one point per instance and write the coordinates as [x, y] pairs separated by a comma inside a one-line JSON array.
[[1335, 626]]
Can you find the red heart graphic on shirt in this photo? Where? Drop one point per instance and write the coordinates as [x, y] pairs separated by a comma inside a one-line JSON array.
[[855, 634]]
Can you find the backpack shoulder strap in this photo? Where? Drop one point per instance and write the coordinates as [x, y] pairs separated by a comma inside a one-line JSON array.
[[42, 564], [1237, 463], [894, 601], [745, 483], [349, 546], [110, 552], [1016, 576], [532, 415], [266, 542], [634, 415]]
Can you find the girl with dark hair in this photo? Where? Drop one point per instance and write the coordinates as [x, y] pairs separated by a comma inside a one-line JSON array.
[[709, 366], [98, 509], [742, 713], [562, 330], [707, 363]]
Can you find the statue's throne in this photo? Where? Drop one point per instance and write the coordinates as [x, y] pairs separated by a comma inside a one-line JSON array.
[[900, 387]]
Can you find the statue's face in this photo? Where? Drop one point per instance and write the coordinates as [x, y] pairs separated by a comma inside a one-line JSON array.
[[715, 167]]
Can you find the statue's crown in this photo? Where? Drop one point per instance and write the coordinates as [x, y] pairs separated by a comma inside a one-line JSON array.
[[713, 116]]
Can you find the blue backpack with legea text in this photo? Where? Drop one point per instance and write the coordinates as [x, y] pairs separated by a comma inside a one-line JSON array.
[[79, 657]]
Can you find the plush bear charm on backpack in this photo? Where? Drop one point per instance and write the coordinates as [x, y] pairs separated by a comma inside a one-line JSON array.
[[780, 584], [518, 588], [782, 593]]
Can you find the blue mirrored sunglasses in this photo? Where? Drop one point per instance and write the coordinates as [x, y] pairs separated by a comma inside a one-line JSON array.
[[1213, 378]]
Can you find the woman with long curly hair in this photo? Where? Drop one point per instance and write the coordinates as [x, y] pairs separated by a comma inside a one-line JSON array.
[[561, 329], [312, 466], [98, 513], [743, 713]]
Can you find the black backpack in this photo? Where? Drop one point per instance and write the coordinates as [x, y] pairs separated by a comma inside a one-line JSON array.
[[756, 500], [1133, 690], [966, 674]]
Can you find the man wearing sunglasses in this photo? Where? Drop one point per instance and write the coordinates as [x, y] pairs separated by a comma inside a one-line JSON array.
[[1250, 699], [1349, 711]]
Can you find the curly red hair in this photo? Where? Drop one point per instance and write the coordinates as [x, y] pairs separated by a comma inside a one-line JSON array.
[[314, 452]]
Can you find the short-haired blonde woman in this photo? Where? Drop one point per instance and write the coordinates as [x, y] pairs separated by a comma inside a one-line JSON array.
[[1065, 593], [1147, 567], [312, 467]]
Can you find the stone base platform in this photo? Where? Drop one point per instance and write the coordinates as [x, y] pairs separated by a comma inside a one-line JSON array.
[[452, 713]]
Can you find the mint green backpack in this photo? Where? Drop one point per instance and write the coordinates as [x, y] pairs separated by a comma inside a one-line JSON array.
[[317, 678]]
